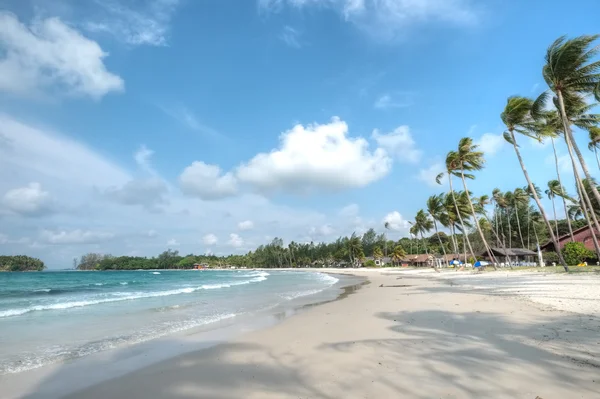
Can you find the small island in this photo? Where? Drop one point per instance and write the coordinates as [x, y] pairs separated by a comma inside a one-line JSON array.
[[20, 263]]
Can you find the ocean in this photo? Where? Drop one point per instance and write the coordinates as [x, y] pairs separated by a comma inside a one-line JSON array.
[[48, 317]]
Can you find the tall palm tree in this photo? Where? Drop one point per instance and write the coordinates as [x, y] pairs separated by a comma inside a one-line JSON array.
[[452, 165], [435, 208], [594, 144], [449, 219], [397, 254], [480, 204], [516, 116], [499, 203], [554, 189], [571, 75], [520, 199], [422, 225], [470, 160]]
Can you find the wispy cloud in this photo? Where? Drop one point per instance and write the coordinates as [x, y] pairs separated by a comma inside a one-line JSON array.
[[187, 118], [389, 19], [291, 36], [146, 24], [395, 100]]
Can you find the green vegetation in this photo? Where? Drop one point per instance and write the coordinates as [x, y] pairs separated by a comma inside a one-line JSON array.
[[20, 263], [576, 253]]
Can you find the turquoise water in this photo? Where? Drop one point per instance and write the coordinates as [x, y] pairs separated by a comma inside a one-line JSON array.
[[47, 317]]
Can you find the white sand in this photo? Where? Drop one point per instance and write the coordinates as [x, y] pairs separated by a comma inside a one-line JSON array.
[[423, 338]]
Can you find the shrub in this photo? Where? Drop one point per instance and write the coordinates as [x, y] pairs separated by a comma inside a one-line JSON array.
[[370, 263], [576, 252]]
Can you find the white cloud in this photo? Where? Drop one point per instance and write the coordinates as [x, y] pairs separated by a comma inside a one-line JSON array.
[[207, 182], [291, 37], [151, 233], [173, 243], [428, 175], [490, 143], [398, 100], [388, 19], [321, 231], [315, 157], [399, 143], [145, 25], [77, 236], [395, 221], [146, 192], [49, 55], [246, 225], [30, 200], [35, 152], [235, 240], [349, 211], [210, 239], [142, 158]]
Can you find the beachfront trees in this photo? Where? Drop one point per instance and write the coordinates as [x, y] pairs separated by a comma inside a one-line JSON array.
[[452, 166], [517, 118], [398, 254], [571, 74], [470, 159], [377, 253], [421, 225], [554, 189], [435, 208]]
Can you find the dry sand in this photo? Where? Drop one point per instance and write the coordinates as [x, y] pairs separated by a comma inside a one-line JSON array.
[[415, 337]]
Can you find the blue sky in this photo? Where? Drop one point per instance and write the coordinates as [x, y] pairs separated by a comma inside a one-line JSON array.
[[132, 126]]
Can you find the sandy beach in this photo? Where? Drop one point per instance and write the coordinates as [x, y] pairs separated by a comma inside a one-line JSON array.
[[402, 335], [405, 334]]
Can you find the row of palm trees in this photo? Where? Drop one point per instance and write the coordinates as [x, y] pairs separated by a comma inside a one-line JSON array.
[[573, 79]]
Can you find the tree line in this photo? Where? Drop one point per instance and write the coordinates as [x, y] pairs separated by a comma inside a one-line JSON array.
[[565, 107], [20, 263]]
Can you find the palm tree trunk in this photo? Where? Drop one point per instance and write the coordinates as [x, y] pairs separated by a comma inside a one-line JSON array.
[[464, 231], [561, 186], [485, 244], [554, 209], [509, 228], [519, 226], [597, 159], [539, 204], [501, 245], [454, 242], [571, 143], [437, 233]]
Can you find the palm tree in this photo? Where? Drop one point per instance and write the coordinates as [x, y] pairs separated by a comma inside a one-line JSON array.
[[397, 254], [571, 76], [435, 208], [588, 212], [452, 165], [481, 203], [421, 225], [520, 199], [594, 143], [470, 159], [516, 116], [552, 191], [500, 204]]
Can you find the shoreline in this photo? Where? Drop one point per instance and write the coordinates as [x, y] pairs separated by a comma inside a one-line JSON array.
[[403, 334], [136, 356]]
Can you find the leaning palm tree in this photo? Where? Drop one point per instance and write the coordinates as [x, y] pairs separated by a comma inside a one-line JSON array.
[[480, 204], [500, 204], [470, 160], [516, 116], [435, 208], [452, 166], [571, 75], [594, 144], [554, 189]]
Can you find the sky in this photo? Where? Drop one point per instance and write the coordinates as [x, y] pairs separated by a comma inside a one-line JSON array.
[[209, 126]]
